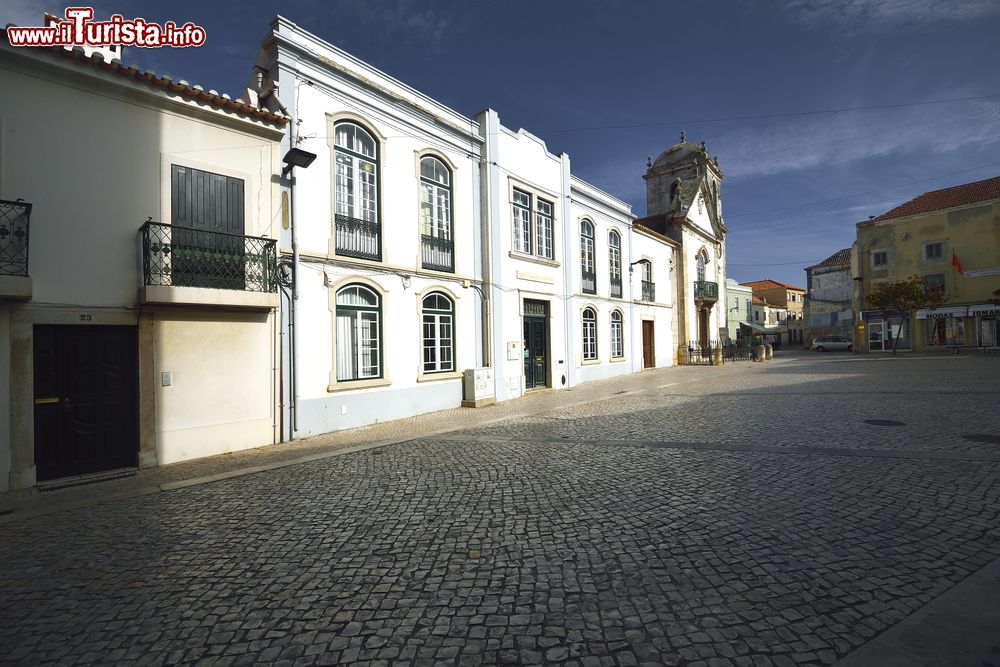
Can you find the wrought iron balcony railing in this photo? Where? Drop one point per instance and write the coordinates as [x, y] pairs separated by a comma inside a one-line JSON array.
[[358, 238], [436, 253], [14, 216], [187, 257], [705, 290], [589, 282], [616, 286], [648, 290]]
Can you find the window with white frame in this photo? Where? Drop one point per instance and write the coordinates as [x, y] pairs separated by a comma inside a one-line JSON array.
[[617, 335], [589, 334], [438, 313], [533, 225], [700, 262], [357, 229], [543, 229], [359, 334], [357, 172], [587, 257], [436, 249], [615, 262], [933, 251], [880, 258], [521, 211]]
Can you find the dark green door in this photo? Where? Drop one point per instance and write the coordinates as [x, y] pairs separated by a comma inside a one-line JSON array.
[[206, 211], [535, 353], [85, 387]]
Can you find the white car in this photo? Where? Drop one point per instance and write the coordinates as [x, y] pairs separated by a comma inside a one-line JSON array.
[[824, 343]]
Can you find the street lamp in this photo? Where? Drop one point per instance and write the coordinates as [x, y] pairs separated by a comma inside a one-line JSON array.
[[296, 157]]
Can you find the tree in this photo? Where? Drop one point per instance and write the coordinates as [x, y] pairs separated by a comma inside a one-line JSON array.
[[904, 297]]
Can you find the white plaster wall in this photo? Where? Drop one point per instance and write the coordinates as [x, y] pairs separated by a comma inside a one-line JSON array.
[[221, 394], [660, 312], [406, 125], [833, 285], [400, 147], [4, 398], [94, 158], [525, 163], [92, 166]]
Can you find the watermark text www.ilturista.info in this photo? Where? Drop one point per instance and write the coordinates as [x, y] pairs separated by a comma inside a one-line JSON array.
[[79, 29]]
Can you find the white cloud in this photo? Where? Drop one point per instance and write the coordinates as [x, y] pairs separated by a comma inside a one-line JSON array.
[[837, 140], [877, 14]]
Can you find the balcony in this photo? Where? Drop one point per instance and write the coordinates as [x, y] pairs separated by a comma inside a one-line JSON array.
[[183, 266], [589, 282], [15, 284], [705, 290], [437, 254], [357, 238], [648, 290], [616, 287]]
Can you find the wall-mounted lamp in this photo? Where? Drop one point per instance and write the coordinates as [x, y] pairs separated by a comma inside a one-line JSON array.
[[638, 261], [296, 157]]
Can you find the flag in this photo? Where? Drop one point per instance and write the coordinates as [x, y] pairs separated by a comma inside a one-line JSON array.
[[954, 261]]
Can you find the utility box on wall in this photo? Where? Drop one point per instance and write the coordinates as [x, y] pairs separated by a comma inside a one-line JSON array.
[[478, 388]]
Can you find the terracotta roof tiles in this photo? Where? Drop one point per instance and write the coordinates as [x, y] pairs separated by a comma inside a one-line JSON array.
[[960, 195], [181, 88]]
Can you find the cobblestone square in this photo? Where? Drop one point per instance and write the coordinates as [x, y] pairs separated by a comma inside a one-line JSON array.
[[748, 515]]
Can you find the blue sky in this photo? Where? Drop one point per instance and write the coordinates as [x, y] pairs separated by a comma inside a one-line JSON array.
[[795, 184]]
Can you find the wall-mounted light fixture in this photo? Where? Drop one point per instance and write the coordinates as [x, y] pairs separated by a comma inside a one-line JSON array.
[[296, 157]]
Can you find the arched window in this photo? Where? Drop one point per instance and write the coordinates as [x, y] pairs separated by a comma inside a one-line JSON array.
[[437, 248], [358, 232], [587, 257], [589, 334], [438, 313], [359, 333], [700, 262], [615, 262], [617, 335]]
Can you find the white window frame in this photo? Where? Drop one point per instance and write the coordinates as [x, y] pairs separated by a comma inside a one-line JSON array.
[[521, 217], [350, 187], [617, 335], [589, 331], [543, 229], [435, 201], [442, 330], [353, 320]]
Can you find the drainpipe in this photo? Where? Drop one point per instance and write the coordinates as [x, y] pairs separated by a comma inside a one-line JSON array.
[[293, 402]]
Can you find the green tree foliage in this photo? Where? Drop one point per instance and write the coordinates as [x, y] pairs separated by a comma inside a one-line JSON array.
[[903, 297]]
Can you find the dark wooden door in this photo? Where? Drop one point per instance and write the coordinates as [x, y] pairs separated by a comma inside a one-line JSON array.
[[535, 353], [703, 339], [208, 246], [85, 399], [648, 348]]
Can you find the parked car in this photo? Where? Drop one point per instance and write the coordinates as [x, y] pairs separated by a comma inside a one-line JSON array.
[[824, 343]]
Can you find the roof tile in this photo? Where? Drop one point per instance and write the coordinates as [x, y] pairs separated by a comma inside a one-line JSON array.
[[960, 195]]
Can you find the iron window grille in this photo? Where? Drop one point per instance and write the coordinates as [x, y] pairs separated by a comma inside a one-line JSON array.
[[187, 257], [706, 289], [14, 217], [357, 231], [436, 246]]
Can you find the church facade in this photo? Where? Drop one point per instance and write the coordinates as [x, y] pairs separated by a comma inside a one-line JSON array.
[[684, 203]]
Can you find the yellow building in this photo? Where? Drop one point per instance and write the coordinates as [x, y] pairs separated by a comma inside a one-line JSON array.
[[951, 237], [784, 296]]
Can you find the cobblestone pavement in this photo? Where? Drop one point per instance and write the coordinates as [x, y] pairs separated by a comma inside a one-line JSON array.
[[748, 517]]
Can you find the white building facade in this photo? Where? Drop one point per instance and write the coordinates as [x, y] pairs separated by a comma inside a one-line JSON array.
[[383, 241], [147, 332]]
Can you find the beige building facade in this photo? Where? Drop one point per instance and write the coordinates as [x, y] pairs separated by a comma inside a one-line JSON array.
[[949, 237], [138, 325]]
